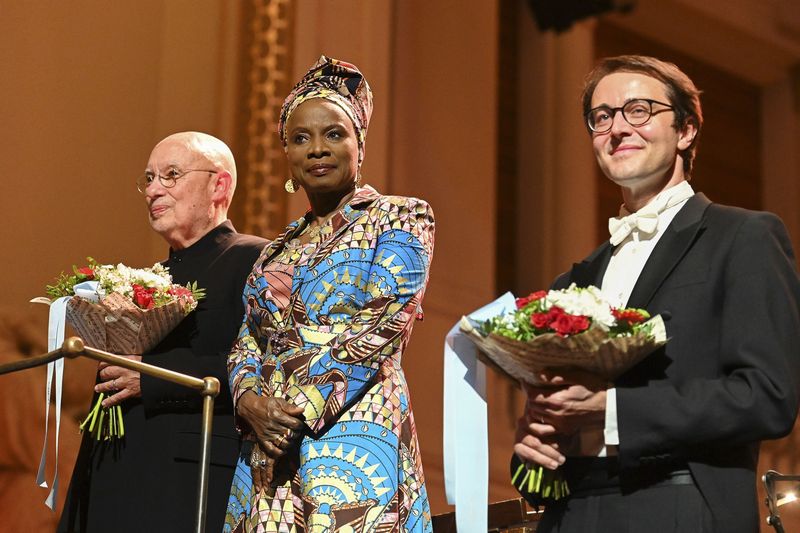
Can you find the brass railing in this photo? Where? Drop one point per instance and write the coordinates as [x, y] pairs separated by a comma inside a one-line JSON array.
[[208, 387]]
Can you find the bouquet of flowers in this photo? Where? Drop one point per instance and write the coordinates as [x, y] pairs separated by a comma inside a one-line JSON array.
[[121, 310], [570, 329]]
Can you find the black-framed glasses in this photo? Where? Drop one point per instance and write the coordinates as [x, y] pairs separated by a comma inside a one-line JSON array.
[[167, 180], [635, 112]]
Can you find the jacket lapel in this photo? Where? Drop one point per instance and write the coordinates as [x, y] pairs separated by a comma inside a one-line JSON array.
[[671, 248], [590, 271]]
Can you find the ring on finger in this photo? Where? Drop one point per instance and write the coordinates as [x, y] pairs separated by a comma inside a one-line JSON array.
[[256, 459], [114, 385]]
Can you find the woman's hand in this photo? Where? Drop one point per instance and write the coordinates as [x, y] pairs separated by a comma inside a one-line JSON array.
[[276, 422], [119, 383], [261, 468]]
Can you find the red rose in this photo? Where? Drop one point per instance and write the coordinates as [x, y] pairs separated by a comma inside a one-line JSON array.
[[628, 316], [532, 297], [143, 297], [545, 320], [580, 323], [86, 272], [540, 320], [179, 292], [570, 324]]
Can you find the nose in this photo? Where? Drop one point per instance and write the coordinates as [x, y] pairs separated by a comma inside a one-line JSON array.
[[317, 147], [154, 190], [619, 126]]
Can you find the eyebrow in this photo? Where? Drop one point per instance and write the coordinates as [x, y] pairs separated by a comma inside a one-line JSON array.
[[626, 102], [298, 129], [171, 164]]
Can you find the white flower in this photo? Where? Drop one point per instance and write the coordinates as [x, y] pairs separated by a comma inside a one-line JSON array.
[[587, 301], [121, 278], [150, 279]]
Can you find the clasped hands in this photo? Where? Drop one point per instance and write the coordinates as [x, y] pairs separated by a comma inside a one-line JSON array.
[[556, 413], [277, 425], [118, 383]]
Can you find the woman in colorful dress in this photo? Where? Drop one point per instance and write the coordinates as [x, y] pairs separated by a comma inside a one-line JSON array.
[[321, 399]]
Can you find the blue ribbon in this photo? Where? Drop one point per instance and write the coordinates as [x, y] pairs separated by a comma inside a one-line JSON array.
[[465, 439], [55, 369]]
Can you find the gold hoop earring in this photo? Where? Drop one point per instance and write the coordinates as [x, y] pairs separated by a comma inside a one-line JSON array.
[[291, 186]]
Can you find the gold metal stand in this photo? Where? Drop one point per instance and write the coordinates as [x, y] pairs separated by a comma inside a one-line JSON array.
[[208, 387]]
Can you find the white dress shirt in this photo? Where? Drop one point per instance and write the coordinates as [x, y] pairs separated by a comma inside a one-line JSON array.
[[623, 271]]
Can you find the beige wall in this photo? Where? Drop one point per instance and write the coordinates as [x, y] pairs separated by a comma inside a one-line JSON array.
[[88, 88]]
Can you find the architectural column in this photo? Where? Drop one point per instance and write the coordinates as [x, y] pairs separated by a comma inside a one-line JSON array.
[[556, 169]]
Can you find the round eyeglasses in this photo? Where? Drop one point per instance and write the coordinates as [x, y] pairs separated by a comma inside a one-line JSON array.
[[167, 179], [635, 112]]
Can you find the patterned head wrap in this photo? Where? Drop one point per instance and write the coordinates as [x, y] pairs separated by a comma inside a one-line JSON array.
[[339, 82]]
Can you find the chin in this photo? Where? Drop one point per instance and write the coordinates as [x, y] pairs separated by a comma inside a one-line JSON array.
[[160, 225]]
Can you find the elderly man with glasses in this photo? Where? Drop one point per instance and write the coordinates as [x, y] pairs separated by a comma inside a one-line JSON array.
[[148, 480], [676, 438]]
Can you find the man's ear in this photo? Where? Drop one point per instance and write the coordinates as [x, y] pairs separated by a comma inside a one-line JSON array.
[[687, 134], [222, 185]]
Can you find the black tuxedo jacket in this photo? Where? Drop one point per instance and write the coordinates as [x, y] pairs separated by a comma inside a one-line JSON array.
[[726, 281]]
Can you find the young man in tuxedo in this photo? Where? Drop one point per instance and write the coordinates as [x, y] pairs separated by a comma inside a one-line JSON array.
[[677, 436]]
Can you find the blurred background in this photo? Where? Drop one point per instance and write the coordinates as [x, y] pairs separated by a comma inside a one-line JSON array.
[[476, 111]]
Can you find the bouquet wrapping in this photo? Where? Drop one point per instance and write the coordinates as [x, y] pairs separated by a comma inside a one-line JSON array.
[[117, 325], [577, 330], [570, 329]]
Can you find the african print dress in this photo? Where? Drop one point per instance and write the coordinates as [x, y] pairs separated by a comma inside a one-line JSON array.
[[325, 327]]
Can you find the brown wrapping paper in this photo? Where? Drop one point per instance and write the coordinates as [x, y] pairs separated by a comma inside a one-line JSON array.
[[118, 326], [592, 351]]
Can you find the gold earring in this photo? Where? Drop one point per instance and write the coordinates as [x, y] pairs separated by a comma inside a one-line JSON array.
[[291, 186]]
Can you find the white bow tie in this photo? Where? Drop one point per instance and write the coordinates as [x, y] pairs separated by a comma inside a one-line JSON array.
[[620, 228], [646, 219]]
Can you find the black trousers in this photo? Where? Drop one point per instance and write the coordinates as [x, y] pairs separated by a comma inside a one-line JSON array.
[[662, 509], [663, 500]]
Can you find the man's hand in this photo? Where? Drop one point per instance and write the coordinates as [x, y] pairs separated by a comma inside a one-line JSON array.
[[570, 403], [568, 410], [538, 443], [119, 383], [276, 422]]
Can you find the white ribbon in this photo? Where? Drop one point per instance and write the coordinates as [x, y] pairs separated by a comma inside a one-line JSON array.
[[465, 439], [55, 337]]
